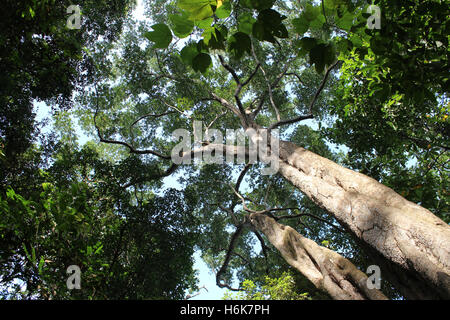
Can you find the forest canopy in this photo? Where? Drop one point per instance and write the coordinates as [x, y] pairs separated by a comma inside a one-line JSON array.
[[348, 100]]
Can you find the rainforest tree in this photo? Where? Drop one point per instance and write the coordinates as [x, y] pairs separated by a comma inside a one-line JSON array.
[[369, 78], [247, 64]]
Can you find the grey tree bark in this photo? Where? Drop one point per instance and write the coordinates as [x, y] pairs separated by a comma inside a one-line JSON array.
[[326, 269], [409, 243]]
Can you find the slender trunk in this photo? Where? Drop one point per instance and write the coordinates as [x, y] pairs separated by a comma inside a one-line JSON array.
[[326, 269], [409, 243]]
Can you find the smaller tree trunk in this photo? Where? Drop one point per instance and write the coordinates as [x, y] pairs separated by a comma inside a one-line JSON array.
[[326, 269]]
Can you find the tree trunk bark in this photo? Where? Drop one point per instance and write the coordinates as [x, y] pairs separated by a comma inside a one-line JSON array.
[[326, 269], [409, 243]]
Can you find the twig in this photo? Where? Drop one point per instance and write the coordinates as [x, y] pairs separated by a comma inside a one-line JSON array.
[[150, 115], [272, 102]]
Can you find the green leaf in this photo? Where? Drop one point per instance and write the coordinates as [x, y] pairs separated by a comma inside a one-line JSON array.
[[330, 54], [181, 25], [99, 249], [317, 57], [377, 46], [311, 13], [208, 35], [204, 24], [201, 62], [271, 18], [269, 25], [33, 255], [346, 22], [308, 43], [344, 45], [301, 25], [224, 10], [223, 31], [188, 53], [27, 254], [198, 9], [47, 186], [239, 43], [161, 36], [318, 22], [325, 243], [281, 32], [245, 23], [202, 47], [260, 33], [10, 194], [214, 39], [329, 4], [41, 264]]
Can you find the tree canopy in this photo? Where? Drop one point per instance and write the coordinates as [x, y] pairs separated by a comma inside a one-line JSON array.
[[359, 94]]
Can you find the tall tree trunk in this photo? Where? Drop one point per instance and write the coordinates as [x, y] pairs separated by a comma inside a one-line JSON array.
[[409, 243], [326, 269]]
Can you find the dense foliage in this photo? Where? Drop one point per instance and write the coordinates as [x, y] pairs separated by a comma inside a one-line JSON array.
[[381, 109]]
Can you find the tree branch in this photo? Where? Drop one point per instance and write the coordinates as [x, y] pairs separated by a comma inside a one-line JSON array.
[[311, 105], [278, 218], [239, 87], [290, 121], [263, 248], [322, 86], [150, 115], [241, 176], [125, 144], [167, 173], [272, 102], [226, 262], [227, 105], [297, 76]]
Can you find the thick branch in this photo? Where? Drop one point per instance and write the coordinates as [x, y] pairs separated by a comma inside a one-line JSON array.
[[229, 106], [226, 262], [291, 121], [326, 269], [403, 236]]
